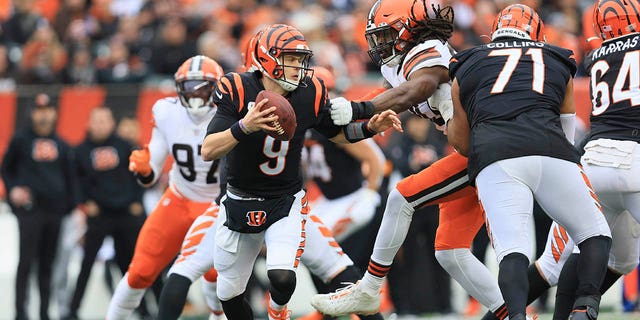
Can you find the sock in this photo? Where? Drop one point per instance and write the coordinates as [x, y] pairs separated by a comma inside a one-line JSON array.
[[371, 284], [125, 299], [514, 284], [237, 308], [173, 297], [393, 230], [350, 274], [609, 279], [592, 266], [211, 297], [472, 275], [567, 284], [537, 284]]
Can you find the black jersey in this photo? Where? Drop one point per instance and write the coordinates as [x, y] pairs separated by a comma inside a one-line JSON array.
[[336, 172], [512, 90], [262, 165], [615, 89]]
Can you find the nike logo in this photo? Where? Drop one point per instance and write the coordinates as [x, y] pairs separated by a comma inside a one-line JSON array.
[[218, 94]]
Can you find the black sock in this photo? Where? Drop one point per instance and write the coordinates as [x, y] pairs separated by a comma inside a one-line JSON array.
[[349, 275], [499, 314], [537, 284], [592, 266], [566, 291], [609, 279], [237, 308], [173, 297], [514, 284]]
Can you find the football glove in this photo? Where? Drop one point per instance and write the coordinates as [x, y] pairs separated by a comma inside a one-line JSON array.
[[139, 161], [341, 111]]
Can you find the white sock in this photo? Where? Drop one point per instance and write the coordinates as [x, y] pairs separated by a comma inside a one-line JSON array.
[[393, 229], [274, 306], [472, 275], [124, 301], [371, 284], [210, 295]]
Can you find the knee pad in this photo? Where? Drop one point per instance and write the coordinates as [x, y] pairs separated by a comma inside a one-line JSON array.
[[623, 267], [227, 290], [283, 283]]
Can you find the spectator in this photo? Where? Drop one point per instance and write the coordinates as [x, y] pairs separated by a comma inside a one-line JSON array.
[[80, 70], [7, 82], [23, 23], [172, 48], [110, 197], [119, 66], [43, 58], [38, 176]]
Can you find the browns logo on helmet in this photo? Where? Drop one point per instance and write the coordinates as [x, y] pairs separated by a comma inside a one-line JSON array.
[[273, 46], [616, 18], [195, 80], [394, 27], [518, 21]]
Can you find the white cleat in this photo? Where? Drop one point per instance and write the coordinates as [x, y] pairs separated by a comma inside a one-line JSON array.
[[347, 300]]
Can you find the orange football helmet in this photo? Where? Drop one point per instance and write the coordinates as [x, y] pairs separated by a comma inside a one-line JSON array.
[[272, 45], [518, 21], [248, 57], [616, 18], [195, 80], [388, 30], [326, 76]]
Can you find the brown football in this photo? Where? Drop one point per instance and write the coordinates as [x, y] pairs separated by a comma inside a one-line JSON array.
[[286, 123]]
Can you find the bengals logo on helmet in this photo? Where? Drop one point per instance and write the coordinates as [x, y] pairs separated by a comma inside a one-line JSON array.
[[256, 218], [616, 18], [518, 21]]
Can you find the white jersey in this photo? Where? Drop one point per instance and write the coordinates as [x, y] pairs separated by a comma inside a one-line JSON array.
[[175, 132], [430, 53]]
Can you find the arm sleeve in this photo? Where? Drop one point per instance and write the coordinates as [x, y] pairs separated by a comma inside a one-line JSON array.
[[158, 152]]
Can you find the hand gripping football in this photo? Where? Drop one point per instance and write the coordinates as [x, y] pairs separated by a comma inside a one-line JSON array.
[[286, 123]]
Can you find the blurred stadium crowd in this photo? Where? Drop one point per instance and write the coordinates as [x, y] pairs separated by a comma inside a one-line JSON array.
[[86, 42]]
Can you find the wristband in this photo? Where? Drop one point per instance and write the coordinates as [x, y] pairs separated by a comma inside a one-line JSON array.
[[357, 131], [362, 110], [242, 127], [237, 132]]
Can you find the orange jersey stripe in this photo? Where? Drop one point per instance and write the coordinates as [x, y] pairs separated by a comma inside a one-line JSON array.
[[240, 90]]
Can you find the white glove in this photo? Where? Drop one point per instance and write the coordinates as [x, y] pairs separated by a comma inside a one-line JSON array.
[[441, 100], [341, 111]]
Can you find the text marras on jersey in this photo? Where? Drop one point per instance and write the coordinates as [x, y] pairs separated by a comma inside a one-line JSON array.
[[616, 46]]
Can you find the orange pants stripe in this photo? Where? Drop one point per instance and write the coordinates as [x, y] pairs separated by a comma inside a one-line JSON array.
[[161, 237], [446, 184]]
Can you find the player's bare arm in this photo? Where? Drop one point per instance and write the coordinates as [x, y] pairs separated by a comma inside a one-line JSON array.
[[218, 144], [568, 113], [419, 87], [458, 125]]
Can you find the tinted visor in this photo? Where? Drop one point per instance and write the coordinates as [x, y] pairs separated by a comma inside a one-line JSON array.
[[197, 89], [381, 42]]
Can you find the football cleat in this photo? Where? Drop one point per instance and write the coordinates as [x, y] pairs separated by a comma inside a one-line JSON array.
[[284, 314], [347, 300]]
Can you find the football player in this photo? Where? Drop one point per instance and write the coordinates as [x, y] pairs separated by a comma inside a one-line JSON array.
[[518, 132], [323, 257], [408, 39], [179, 126], [263, 174]]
